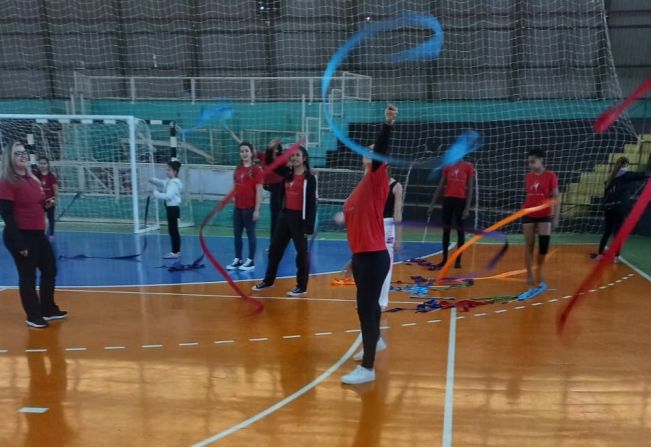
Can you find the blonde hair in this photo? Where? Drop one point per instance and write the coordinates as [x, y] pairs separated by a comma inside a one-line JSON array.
[[8, 172], [621, 162]]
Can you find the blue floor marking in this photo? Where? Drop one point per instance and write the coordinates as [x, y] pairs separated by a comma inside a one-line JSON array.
[[327, 256]]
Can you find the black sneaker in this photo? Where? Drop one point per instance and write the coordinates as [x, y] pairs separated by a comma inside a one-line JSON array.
[[297, 291], [58, 315], [261, 286], [234, 265], [36, 322]]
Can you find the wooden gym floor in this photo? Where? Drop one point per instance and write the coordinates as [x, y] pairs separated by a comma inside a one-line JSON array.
[[187, 365]]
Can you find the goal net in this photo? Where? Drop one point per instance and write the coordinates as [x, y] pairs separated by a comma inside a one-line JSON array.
[[523, 73], [102, 164]]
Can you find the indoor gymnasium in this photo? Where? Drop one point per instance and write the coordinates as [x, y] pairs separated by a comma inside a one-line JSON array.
[[325, 223]]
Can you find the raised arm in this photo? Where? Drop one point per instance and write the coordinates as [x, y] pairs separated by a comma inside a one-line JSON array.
[[384, 137]]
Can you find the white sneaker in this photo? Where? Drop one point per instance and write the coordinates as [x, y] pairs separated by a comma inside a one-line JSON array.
[[381, 346], [247, 266], [234, 265], [172, 255], [359, 375]]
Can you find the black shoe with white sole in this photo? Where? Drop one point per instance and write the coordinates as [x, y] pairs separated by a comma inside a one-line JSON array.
[[261, 286], [297, 291], [58, 315], [237, 263], [36, 322]]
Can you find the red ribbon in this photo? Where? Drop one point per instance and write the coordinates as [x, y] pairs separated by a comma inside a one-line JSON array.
[[626, 229], [607, 118], [281, 160]]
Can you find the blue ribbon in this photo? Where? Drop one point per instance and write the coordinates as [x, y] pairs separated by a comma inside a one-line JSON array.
[[429, 49]]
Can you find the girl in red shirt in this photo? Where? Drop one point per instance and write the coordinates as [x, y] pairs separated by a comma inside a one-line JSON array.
[[49, 183], [541, 185], [273, 183], [295, 222], [248, 197], [364, 217], [22, 207], [457, 184]]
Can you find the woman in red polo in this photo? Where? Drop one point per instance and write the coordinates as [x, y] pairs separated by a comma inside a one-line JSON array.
[[364, 217], [22, 207], [49, 183]]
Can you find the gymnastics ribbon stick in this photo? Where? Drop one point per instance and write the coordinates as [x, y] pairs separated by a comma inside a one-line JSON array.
[[608, 117], [597, 271], [507, 220]]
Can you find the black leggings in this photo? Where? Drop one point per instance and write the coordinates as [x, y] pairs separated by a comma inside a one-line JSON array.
[[369, 271], [289, 226], [613, 220], [50, 221], [173, 216], [243, 219], [39, 256], [453, 211], [275, 204]]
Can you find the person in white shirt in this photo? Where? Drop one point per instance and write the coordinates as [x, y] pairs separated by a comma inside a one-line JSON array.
[[172, 188]]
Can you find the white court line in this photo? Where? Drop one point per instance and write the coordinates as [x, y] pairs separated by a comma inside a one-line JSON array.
[[637, 270], [237, 280], [449, 382], [211, 295], [292, 397]]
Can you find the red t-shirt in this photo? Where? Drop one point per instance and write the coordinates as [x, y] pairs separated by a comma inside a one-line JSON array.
[[29, 199], [246, 181], [456, 179], [539, 189], [364, 211], [294, 193], [47, 182]]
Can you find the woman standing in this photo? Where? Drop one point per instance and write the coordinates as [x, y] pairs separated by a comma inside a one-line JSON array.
[[273, 182], [541, 185], [295, 221], [363, 213], [49, 183], [617, 200], [22, 207], [457, 186], [248, 197]]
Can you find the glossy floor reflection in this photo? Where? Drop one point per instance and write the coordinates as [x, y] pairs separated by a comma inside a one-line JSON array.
[[175, 365]]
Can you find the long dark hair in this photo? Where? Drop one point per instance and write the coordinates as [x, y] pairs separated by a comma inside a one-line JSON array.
[[621, 162], [275, 148], [306, 163]]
